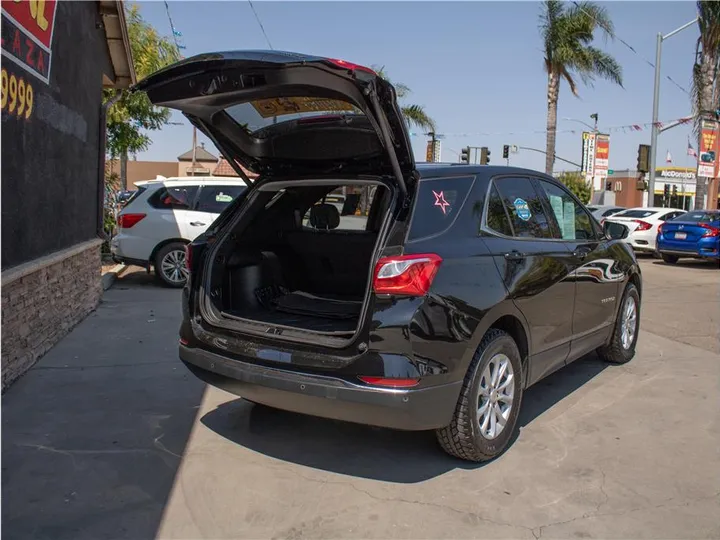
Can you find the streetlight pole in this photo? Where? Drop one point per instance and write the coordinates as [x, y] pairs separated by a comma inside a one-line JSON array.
[[656, 105]]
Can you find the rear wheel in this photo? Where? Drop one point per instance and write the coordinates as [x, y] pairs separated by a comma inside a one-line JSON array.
[[670, 259], [170, 265], [486, 414], [621, 348]]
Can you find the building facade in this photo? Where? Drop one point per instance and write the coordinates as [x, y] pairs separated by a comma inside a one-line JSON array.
[[57, 58]]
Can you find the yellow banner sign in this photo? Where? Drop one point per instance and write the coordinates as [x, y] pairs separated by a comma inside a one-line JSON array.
[[280, 106]]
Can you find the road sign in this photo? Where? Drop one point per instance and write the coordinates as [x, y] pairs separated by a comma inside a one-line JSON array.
[[610, 172]]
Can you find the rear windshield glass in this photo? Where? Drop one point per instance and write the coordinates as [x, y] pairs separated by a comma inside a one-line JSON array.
[[699, 217], [261, 113], [636, 213], [437, 205], [135, 194]]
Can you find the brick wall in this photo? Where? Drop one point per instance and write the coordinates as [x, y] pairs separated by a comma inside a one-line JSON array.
[[42, 301]]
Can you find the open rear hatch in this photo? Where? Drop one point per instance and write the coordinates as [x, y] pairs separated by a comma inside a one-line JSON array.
[[284, 114], [294, 119]]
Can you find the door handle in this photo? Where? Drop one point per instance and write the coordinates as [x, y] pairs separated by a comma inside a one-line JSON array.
[[515, 256], [197, 223], [581, 253]]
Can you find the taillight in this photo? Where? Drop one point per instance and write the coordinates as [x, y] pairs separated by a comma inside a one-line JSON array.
[[390, 382], [642, 225], [126, 221], [188, 257], [350, 66], [408, 275], [712, 231]]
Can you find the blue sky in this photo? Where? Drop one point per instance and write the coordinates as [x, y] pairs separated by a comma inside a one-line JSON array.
[[477, 67]]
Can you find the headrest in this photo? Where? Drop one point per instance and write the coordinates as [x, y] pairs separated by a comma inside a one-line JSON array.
[[324, 216]]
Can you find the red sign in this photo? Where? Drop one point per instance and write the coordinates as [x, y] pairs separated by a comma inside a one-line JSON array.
[[27, 30], [602, 155]]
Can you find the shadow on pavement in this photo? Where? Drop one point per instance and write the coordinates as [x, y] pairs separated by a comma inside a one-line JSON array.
[[93, 434], [368, 452]]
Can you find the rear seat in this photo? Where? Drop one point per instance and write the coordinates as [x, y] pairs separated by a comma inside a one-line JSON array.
[[335, 261]]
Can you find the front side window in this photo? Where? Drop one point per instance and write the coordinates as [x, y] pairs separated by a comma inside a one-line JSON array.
[[214, 199], [524, 207], [573, 221]]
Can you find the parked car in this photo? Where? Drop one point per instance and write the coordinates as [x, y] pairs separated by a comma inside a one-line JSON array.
[[467, 284], [603, 212], [643, 224], [695, 235], [123, 197], [164, 216]]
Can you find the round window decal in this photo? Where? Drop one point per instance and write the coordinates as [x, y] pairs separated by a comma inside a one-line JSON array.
[[522, 209]]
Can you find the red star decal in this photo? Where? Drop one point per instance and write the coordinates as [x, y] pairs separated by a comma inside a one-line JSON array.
[[440, 201]]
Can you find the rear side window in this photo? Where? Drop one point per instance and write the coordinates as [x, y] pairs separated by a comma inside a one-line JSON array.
[[173, 198], [214, 199], [437, 204], [700, 217], [497, 218], [636, 213], [524, 207]]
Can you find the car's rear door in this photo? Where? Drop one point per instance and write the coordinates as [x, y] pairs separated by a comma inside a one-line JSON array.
[[535, 268], [290, 115]]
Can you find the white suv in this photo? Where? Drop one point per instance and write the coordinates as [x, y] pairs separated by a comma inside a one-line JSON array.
[[165, 215]]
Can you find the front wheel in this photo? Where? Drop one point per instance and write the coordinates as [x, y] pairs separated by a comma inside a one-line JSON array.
[[621, 348], [486, 414], [170, 265], [670, 259]]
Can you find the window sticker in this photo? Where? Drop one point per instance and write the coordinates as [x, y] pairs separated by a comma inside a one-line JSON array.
[[522, 209], [440, 201], [222, 197]]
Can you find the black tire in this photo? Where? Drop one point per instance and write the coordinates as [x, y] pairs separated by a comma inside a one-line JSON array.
[[162, 253], [463, 438], [614, 352], [670, 259]]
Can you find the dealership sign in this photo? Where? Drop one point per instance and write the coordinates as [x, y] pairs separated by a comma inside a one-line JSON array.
[[27, 30], [588, 155], [602, 155], [707, 160]]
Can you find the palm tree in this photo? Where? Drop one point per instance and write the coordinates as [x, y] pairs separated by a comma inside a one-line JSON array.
[[568, 31], [415, 115], [705, 84]]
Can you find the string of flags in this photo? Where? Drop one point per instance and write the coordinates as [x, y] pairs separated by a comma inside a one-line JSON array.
[[628, 128], [177, 34]]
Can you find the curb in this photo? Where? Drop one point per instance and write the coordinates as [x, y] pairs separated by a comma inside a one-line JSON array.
[[109, 277]]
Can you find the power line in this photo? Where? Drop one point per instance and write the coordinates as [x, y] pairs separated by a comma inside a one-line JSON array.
[[621, 40], [257, 18]]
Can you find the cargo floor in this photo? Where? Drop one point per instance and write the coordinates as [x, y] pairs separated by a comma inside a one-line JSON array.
[[304, 322]]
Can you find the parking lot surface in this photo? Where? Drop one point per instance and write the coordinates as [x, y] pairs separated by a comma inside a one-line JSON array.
[[109, 436]]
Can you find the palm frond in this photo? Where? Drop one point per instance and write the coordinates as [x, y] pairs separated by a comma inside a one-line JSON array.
[[415, 115]]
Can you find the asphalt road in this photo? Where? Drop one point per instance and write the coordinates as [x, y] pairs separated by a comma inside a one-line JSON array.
[[108, 436]]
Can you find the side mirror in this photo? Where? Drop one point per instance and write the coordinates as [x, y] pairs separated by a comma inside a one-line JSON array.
[[615, 231]]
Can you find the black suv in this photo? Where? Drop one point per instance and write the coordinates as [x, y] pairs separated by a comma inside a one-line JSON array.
[[431, 298]]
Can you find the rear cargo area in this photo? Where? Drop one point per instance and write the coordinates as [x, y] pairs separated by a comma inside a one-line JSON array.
[[301, 258]]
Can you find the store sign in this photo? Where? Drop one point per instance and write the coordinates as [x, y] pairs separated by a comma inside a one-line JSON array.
[[588, 155], [707, 160], [675, 174], [27, 30], [602, 155]]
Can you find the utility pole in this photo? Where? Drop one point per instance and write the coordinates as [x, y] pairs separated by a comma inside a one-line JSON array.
[[594, 116], [656, 105], [433, 139]]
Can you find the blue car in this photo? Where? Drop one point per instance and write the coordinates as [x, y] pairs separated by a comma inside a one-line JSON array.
[[695, 234]]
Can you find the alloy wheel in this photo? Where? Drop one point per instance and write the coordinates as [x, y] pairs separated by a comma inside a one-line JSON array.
[[629, 323], [495, 400], [173, 268]]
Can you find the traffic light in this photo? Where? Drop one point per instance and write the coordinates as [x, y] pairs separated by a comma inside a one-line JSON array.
[[643, 158], [674, 190], [666, 192], [506, 151], [484, 155], [465, 155]]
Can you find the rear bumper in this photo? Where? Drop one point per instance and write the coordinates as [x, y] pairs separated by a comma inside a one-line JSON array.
[[706, 248], [642, 240], [327, 397]]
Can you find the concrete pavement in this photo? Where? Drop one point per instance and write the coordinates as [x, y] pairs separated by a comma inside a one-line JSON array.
[[110, 437]]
